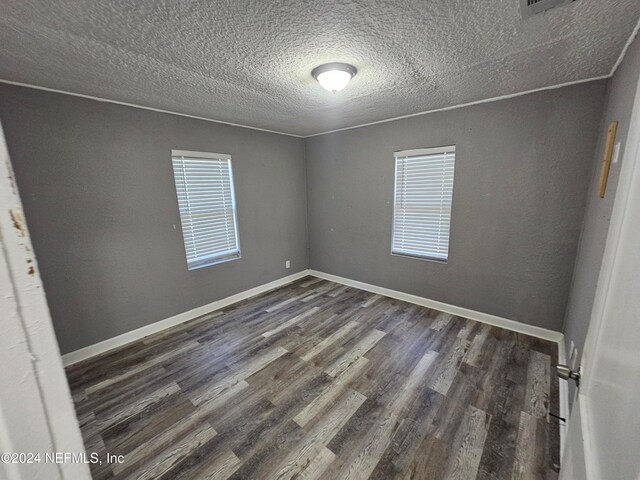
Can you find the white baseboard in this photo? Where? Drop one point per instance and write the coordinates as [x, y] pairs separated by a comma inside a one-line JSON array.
[[134, 335], [564, 397], [505, 323]]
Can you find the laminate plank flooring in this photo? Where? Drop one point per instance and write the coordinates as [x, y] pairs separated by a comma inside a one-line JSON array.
[[317, 380]]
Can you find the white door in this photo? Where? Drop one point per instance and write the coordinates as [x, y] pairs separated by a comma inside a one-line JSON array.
[[603, 442]]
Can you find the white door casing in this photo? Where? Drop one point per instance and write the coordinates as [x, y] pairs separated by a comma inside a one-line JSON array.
[[36, 410]]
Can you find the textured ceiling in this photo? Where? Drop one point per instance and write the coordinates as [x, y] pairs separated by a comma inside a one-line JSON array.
[[249, 61]]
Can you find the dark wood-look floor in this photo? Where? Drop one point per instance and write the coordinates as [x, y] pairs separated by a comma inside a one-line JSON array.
[[317, 380]]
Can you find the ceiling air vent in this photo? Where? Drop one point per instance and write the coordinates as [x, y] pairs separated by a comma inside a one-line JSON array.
[[533, 7]]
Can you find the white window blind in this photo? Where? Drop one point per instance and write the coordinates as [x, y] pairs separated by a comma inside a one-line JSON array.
[[206, 199], [422, 207]]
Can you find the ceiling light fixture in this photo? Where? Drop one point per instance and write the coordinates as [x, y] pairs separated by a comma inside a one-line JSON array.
[[334, 76]]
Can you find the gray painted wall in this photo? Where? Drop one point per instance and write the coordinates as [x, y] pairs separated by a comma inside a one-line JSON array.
[[523, 167], [98, 189], [97, 185], [619, 101]]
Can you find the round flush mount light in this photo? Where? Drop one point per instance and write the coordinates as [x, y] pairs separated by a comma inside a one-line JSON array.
[[334, 76]]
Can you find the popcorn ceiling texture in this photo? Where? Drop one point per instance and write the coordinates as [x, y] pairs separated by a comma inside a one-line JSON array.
[[249, 61]]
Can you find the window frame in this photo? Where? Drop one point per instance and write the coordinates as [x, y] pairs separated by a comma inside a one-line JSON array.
[[416, 152], [210, 260]]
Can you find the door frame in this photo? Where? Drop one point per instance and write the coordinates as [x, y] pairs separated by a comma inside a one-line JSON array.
[[36, 410]]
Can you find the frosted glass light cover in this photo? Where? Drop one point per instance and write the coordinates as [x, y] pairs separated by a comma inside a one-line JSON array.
[[334, 80]]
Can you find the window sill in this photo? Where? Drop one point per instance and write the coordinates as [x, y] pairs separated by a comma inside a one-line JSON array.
[[213, 261], [421, 257]]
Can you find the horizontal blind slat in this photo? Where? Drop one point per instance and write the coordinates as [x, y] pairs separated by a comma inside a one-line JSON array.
[[421, 244], [436, 237], [197, 228], [210, 248], [205, 236]]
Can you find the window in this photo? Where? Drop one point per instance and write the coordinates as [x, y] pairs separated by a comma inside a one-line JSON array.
[[204, 184], [422, 205]]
